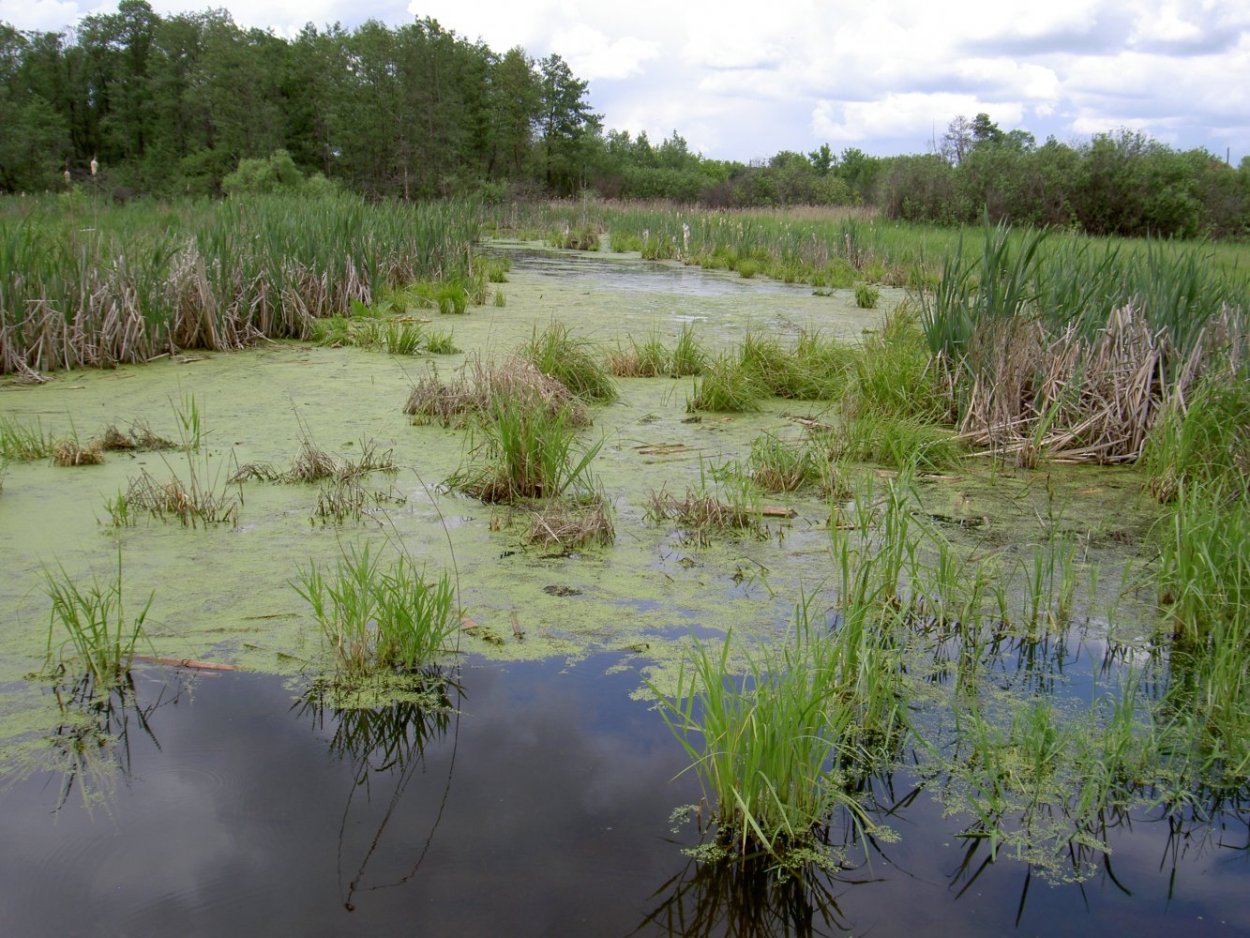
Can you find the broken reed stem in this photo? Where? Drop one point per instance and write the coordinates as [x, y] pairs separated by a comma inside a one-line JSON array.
[[1078, 399]]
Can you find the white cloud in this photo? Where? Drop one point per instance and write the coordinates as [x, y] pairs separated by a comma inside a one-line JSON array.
[[41, 15], [913, 117], [592, 55]]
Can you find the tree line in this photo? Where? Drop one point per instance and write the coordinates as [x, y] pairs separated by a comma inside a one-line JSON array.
[[195, 104]]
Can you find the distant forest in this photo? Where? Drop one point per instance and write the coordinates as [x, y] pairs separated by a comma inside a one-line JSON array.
[[193, 104]]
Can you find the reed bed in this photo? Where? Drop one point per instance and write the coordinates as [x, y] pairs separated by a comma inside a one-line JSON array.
[[96, 286], [1075, 350]]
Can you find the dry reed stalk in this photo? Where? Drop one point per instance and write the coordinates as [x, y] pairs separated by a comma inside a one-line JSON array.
[[570, 523], [70, 453], [515, 380], [1084, 399]]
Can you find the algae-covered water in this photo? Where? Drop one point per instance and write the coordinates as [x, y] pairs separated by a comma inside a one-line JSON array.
[[541, 804]]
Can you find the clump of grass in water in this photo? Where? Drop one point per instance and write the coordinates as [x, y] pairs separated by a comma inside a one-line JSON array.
[[190, 422], [568, 523], [727, 387], [688, 358], [378, 617], [197, 500], [777, 465], [571, 361], [479, 385], [866, 296], [648, 359], [94, 626], [23, 443], [651, 359], [779, 750], [525, 449], [731, 506], [438, 342], [71, 453], [313, 464]]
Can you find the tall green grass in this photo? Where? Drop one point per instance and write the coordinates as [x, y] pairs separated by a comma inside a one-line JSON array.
[[380, 617], [89, 628], [557, 353], [524, 449], [767, 747]]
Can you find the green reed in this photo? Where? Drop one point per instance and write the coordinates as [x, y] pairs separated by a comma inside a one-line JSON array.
[[91, 624], [380, 616]]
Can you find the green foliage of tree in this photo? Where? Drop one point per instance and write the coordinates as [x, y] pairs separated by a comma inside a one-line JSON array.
[[180, 104], [275, 173]]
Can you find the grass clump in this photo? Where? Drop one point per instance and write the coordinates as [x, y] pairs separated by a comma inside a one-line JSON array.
[[648, 359], [731, 506], [777, 465], [313, 464], [866, 296], [652, 359], [727, 387], [23, 443], [576, 238], [895, 442], [439, 342], [688, 358], [569, 523], [571, 361], [525, 449], [781, 748], [479, 385], [139, 438], [194, 501], [94, 627], [1207, 441], [379, 617], [894, 376], [72, 453]]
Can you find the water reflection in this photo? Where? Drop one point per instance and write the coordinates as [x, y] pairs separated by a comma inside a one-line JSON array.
[[384, 745], [751, 898], [91, 746]]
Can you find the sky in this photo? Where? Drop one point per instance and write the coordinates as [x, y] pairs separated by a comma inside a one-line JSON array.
[[744, 80]]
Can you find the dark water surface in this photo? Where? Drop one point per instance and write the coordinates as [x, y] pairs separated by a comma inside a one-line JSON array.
[[541, 809]]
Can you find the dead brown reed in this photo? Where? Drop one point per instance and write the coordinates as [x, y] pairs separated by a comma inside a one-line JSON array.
[[192, 502], [480, 383], [114, 440], [313, 464], [1078, 398], [72, 453], [700, 514], [139, 438], [571, 522]]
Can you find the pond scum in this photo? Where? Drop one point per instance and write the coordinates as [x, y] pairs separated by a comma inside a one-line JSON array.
[[923, 654]]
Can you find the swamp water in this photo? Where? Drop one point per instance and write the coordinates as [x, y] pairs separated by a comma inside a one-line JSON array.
[[538, 801]]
